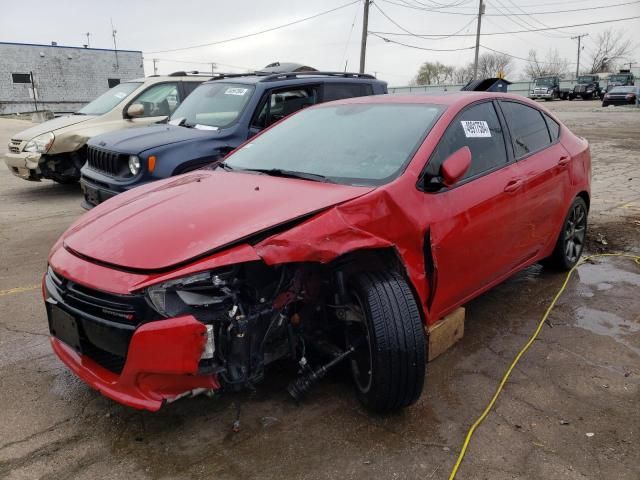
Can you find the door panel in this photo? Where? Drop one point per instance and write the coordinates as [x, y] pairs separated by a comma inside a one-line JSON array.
[[546, 185], [473, 224], [544, 175], [472, 236]]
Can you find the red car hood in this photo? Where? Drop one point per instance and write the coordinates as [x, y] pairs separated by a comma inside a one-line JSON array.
[[172, 221]]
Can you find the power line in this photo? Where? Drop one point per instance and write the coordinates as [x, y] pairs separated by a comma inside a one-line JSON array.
[[421, 48], [515, 31], [525, 13], [522, 22], [545, 4], [439, 37], [240, 37], [537, 23], [198, 62], [346, 45], [519, 58]]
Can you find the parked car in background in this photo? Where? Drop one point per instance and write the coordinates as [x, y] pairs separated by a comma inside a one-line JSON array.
[[215, 119], [587, 88], [336, 235], [548, 88], [621, 96], [56, 149]]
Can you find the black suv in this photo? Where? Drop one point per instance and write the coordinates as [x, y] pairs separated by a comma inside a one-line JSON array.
[[216, 118]]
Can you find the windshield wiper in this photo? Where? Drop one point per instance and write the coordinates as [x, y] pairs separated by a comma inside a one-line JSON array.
[[224, 166], [279, 172]]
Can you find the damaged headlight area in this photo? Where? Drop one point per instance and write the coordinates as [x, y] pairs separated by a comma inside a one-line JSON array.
[[246, 327], [40, 144]]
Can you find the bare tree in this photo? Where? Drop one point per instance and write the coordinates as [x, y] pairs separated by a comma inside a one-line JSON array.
[[552, 64], [611, 47], [491, 64], [463, 74], [433, 73]]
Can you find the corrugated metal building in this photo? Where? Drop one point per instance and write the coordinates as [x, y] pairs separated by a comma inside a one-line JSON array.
[[62, 79]]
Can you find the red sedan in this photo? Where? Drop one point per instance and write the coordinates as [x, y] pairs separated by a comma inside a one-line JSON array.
[[336, 235]]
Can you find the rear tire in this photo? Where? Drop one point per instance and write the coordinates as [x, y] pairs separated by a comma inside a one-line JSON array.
[[571, 240], [388, 365]]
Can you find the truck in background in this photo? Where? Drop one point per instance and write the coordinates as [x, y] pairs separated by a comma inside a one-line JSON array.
[[624, 78], [548, 88], [587, 88]]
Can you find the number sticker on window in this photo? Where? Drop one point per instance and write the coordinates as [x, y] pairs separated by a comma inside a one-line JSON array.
[[475, 128], [236, 91]]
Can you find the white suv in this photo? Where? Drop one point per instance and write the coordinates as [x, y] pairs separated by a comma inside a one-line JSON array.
[[56, 149]]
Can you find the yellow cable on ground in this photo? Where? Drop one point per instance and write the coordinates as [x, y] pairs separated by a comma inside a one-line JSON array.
[[515, 361]]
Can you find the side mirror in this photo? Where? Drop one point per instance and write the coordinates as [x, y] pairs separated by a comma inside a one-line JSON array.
[[455, 166], [135, 110]]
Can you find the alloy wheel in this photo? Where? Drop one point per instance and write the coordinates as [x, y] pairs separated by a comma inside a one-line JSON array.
[[574, 233]]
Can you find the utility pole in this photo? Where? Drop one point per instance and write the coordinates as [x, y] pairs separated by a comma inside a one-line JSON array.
[[475, 62], [365, 31], [579, 37], [155, 68], [115, 47], [88, 34]]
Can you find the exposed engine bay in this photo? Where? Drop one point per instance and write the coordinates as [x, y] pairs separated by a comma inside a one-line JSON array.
[[256, 315]]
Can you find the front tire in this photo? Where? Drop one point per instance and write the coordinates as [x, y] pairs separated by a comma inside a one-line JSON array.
[[388, 365], [570, 242]]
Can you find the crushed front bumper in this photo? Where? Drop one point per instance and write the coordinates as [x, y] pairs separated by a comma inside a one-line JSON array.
[[161, 365], [24, 164], [105, 340]]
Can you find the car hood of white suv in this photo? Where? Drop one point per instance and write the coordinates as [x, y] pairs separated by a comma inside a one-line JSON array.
[[51, 126]]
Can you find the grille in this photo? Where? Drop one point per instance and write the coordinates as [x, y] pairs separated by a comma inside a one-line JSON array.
[[14, 146], [106, 321], [112, 163], [99, 304]]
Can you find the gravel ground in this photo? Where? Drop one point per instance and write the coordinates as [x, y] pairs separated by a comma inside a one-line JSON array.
[[570, 410]]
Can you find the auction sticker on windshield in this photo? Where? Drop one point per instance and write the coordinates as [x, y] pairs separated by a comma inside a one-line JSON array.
[[475, 128], [236, 91]]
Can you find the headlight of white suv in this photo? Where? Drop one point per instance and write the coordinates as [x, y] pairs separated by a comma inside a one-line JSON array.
[[40, 144]]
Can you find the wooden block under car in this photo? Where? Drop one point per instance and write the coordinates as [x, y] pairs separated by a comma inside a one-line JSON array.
[[443, 334]]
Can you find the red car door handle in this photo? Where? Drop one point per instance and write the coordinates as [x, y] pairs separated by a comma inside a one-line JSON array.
[[564, 160], [513, 185]]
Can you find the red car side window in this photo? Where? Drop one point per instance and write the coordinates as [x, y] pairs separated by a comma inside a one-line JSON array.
[[528, 129], [478, 128]]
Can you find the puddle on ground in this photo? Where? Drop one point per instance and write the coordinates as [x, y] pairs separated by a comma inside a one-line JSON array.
[[602, 279], [608, 324], [603, 275]]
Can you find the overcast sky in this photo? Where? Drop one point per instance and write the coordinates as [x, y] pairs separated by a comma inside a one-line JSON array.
[[326, 42]]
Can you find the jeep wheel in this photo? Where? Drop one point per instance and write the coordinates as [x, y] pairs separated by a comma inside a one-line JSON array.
[[388, 364], [570, 242]]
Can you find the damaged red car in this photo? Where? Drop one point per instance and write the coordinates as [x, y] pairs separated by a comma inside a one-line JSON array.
[[337, 235]]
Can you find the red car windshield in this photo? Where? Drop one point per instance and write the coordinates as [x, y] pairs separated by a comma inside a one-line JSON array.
[[357, 144]]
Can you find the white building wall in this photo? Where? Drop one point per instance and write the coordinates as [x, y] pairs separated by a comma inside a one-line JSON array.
[[65, 78]]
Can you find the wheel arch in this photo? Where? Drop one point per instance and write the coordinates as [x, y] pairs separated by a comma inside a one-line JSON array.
[[372, 259], [585, 196]]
